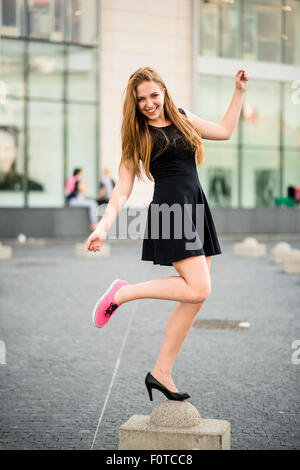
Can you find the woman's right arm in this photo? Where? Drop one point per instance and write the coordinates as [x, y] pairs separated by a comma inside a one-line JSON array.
[[117, 200]]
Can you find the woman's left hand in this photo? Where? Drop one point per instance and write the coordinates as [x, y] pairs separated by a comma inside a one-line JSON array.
[[241, 80]]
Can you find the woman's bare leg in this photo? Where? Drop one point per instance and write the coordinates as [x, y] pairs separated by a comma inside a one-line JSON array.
[[178, 326], [193, 288]]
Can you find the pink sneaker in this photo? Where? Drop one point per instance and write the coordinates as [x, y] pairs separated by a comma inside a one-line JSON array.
[[106, 305]]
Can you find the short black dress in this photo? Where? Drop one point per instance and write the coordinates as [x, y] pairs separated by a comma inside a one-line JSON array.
[[179, 221]]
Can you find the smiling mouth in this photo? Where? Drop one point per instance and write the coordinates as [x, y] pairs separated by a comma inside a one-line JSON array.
[[151, 112]]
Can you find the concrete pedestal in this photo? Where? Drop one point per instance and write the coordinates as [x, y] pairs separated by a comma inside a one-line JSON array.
[[174, 425]]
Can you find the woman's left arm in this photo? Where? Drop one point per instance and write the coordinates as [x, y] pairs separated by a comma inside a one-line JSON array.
[[224, 130]]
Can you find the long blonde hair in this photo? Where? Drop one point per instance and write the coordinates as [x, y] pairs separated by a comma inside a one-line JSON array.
[[136, 137]]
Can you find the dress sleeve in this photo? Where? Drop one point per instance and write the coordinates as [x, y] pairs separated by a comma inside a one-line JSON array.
[[182, 111]]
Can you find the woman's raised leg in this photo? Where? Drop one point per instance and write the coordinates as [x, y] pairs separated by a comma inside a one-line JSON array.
[[193, 287]]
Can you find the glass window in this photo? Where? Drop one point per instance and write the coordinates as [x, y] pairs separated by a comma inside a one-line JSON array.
[[82, 21], [215, 94], [219, 175], [291, 115], [45, 154], [46, 66], [81, 74], [81, 143], [12, 153], [260, 177], [291, 36], [261, 113], [262, 30], [209, 28], [230, 30], [12, 67], [45, 19], [12, 17], [291, 170]]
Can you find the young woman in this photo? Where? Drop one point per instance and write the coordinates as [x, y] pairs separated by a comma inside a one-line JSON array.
[[167, 142]]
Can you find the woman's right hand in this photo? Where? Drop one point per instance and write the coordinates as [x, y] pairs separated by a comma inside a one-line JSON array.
[[96, 239]]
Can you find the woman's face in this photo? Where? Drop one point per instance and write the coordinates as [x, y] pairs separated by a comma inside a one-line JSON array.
[[150, 99]]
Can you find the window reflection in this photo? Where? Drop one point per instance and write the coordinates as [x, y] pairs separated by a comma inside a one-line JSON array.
[[260, 177], [46, 153], [81, 19], [291, 170], [259, 152], [291, 18], [82, 142], [55, 74], [12, 153], [219, 175], [214, 95], [261, 113], [82, 74], [262, 28], [46, 66], [291, 115], [12, 17], [11, 66], [230, 30], [258, 30], [45, 19], [209, 28]]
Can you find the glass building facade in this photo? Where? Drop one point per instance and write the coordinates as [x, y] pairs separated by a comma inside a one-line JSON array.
[[49, 99], [262, 158]]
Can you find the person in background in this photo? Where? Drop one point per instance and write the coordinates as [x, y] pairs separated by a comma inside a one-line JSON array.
[[75, 191], [108, 182], [102, 194]]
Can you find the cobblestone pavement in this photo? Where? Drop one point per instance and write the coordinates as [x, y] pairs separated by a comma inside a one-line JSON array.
[[69, 385]]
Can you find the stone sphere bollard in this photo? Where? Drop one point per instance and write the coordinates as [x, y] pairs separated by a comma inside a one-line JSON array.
[[249, 248], [291, 262], [250, 241], [173, 414], [279, 252], [5, 252], [174, 425]]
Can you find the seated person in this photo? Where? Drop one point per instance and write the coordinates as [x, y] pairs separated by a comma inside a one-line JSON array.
[[75, 190], [102, 194]]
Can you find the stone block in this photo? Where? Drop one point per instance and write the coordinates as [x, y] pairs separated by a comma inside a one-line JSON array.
[[249, 248], [174, 425], [81, 252], [291, 262]]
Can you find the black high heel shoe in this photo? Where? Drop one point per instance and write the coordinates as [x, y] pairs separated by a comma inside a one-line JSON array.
[[151, 382]]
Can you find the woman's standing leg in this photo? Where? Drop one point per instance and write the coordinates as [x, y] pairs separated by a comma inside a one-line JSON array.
[[177, 328]]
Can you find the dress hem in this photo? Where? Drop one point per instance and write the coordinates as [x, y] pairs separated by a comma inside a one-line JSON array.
[[169, 263]]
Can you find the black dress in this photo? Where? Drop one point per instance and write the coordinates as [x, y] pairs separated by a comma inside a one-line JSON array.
[[179, 221]]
